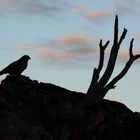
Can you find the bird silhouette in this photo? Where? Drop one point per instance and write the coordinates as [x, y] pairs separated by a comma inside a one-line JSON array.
[[17, 67]]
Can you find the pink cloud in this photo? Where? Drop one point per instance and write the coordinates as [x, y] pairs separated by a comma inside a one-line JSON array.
[[56, 56], [137, 36], [69, 48], [73, 40], [123, 53], [116, 7], [93, 14]]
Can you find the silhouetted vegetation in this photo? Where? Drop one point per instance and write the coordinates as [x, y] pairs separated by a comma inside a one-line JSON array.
[[99, 85]]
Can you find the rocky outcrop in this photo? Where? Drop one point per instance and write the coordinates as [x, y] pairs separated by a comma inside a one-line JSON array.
[[30, 110]]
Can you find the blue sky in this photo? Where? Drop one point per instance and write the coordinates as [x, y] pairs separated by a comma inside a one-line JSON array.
[[62, 38]]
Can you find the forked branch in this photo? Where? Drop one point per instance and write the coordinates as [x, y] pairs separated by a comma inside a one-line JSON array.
[[113, 55], [97, 71], [125, 69], [102, 51]]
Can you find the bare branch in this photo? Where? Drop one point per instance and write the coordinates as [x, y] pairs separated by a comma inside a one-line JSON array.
[[97, 71], [102, 50], [125, 69], [131, 51], [130, 48], [122, 36], [116, 30], [113, 56], [101, 86]]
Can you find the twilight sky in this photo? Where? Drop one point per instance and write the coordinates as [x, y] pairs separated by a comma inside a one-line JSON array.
[[62, 38]]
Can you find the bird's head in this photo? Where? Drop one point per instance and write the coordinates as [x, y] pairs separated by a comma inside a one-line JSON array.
[[25, 57]]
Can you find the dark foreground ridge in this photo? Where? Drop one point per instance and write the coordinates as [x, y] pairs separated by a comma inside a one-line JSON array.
[[30, 110]]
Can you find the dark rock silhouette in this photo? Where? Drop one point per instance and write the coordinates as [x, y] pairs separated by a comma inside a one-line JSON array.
[[30, 110], [17, 67]]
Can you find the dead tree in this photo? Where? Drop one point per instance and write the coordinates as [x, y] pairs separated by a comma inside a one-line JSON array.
[[99, 84]]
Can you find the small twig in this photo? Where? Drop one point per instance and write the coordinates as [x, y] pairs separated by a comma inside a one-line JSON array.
[[102, 50], [116, 30], [122, 36]]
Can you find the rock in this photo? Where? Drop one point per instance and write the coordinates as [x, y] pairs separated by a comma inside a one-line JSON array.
[[30, 110]]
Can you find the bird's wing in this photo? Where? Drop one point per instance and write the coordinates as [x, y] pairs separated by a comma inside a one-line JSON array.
[[10, 68]]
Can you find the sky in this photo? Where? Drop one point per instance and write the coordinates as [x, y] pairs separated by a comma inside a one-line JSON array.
[[62, 38]]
